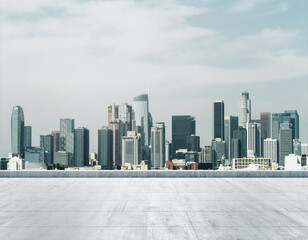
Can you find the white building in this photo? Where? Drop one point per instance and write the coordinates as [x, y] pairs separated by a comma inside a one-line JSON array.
[[244, 110], [292, 162], [131, 148], [270, 147], [253, 139], [16, 163]]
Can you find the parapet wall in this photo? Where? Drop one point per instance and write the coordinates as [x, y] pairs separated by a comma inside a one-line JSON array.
[[152, 174]]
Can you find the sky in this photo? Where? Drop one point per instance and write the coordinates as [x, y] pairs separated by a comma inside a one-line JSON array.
[[74, 58]]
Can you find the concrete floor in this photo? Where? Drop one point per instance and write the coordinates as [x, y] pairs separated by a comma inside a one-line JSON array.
[[153, 208]]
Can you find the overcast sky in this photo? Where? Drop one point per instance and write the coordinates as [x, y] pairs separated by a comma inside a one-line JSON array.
[[74, 58]]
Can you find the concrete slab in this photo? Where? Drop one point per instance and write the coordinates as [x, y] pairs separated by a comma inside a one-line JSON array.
[[153, 208]]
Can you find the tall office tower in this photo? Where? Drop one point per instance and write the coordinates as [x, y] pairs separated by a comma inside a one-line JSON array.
[[265, 120], [46, 142], [168, 150], [253, 139], [271, 149], [231, 124], [118, 131], [244, 110], [150, 125], [218, 152], [81, 147], [297, 147], [17, 131], [141, 110], [295, 122], [235, 149], [241, 135], [67, 135], [158, 141], [182, 127], [28, 136], [218, 119], [208, 154], [105, 148], [285, 141], [123, 112], [56, 140], [131, 148], [193, 143]]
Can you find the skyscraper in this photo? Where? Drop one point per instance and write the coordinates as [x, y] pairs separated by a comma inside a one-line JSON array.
[[231, 124], [118, 131], [265, 128], [17, 131], [285, 141], [218, 152], [123, 112], [295, 122], [193, 143], [105, 148], [253, 139], [56, 140], [182, 127], [244, 110], [46, 142], [131, 148], [141, 110], [28, 136], [67, 135], [241, 135], [271, 149], [81, 147], [218, 119], [158, 141], [235, 149]]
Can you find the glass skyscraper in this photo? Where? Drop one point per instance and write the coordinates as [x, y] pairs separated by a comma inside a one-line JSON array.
[[81, 147], [231, 124], [28, 136], [67, 135], [141, 110], [182, 127], [158, 141], [105, 148], [17, 131], [46, 142], [218, 119]]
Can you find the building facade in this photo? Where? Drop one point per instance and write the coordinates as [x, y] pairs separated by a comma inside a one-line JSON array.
[[105, 148], [28, 136], [67, 126], [131, 148], [218, 119], [81, 147], [230, 125], [46, 142], [158, 141], [17, 131], [270, 147], [244, 110]]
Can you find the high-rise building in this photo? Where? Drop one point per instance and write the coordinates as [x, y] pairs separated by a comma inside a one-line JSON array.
[[123, 112], [231, 124], [297, 150], [265, 121], [182, 127], [244, 110], [241, 135], [131, 148], [235, 148], [81, 147], [64, 159], [141, 111], [218, 152], [105, 148], [46, 142], [158, 141], [168, 150], [193, 143], [118, 131], [17, 131], [67, 135], [295, 123], [285, 141], [56, 140], [253, 139], [218, 119], [28, 136], [270, 147]]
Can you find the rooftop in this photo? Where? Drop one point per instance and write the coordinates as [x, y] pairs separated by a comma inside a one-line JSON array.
[[153, 208]]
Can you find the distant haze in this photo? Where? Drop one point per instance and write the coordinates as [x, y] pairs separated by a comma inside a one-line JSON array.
[[74, 58]]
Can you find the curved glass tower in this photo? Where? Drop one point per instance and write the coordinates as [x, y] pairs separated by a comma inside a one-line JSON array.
[[141, 108], [17, 131]]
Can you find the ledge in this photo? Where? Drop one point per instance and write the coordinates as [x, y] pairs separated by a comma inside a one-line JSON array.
[[152, 174]]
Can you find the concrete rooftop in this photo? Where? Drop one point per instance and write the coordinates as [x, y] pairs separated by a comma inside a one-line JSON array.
[[153, 208]]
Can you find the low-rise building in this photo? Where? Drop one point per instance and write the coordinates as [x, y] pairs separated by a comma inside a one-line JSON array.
[[246, 162], [16, 163], [292, 162]]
